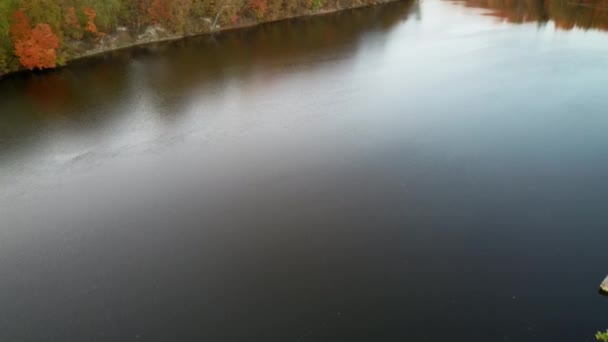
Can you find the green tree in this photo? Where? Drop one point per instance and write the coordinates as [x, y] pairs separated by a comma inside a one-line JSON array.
[[110, 13], [7, 60], [45, 11]]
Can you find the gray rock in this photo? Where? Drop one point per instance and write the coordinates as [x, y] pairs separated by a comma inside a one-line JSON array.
[[153, 33]]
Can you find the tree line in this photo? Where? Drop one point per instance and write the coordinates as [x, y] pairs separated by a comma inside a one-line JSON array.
[[40, 34]]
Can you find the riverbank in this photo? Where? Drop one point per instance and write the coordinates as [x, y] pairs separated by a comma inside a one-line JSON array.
[[123, 37]]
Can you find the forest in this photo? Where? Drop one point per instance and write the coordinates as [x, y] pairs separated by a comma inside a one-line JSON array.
[[32, 32], [40, 34]]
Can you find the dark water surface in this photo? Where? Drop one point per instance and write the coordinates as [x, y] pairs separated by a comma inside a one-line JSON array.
[[410, 172]]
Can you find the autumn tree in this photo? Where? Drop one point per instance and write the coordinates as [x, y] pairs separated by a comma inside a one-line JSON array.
[[36, 47], [21, 28], [259, 8], [145, 12], [91, 15], [159, 11], [39, 50], [71, 24]]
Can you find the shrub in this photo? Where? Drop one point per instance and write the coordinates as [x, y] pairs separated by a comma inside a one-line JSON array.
[[316, 4]]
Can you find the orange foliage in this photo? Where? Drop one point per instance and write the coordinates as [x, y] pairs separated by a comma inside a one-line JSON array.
[[71, 24], [21, 27], [39, 50], [71, 19], [91, 15]]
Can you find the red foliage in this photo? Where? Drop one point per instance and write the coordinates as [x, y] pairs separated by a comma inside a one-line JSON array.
[[91, 15], [39, 50], [21, 27], [259, 7], [159, 10]]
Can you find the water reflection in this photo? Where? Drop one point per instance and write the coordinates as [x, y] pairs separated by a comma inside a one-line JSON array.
[[566, 14], [161, 79], [312, 180]]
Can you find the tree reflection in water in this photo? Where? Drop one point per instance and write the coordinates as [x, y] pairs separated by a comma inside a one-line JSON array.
[[566, 14]]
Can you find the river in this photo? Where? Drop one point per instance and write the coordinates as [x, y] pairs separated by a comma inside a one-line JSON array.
[[418, 171]]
